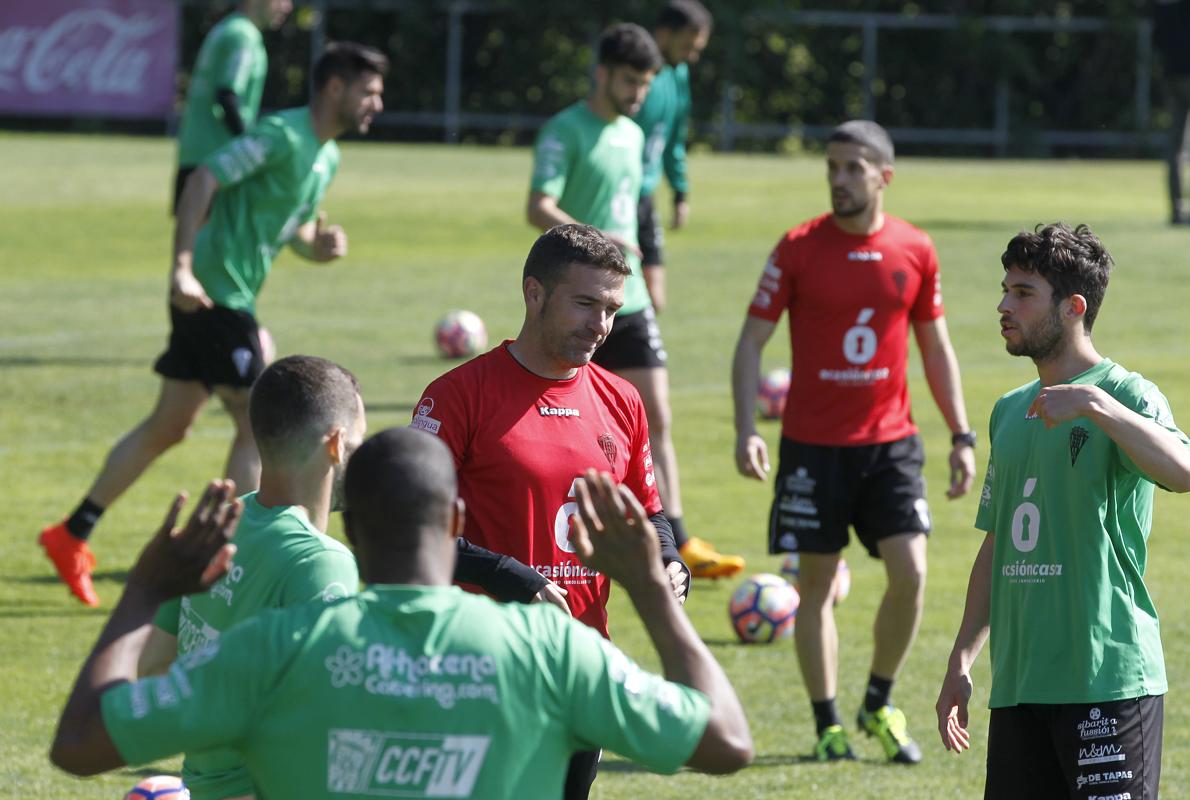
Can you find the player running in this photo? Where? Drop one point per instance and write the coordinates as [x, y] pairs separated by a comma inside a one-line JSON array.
[[223, 99], [266, 187], [681, 33], [525, 420], [411, 687], [1078, 675], [853, 280]]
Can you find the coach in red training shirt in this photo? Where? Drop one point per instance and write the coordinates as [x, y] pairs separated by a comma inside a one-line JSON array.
[[853, 281]]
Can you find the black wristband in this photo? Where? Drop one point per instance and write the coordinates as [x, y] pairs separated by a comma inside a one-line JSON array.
[[966, 437], [679, 197]]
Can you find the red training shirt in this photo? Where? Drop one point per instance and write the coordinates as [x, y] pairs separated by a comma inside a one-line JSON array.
[[850, 299], [519, 441]]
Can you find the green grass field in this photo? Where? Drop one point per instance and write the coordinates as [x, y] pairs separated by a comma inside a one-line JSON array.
[[84, 246]]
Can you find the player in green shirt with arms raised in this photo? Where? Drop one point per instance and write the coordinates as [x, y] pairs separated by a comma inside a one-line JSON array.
[[223, 99], [412, 687], [266, 187], [1078, 676]]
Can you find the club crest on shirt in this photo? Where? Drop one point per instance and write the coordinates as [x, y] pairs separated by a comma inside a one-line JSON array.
[[608, 445], [1078, 437]]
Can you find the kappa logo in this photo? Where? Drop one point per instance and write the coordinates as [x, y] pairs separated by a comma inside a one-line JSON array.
[[1078, 437], [403, 764], [550, 411], [865, 255], [608, 445]]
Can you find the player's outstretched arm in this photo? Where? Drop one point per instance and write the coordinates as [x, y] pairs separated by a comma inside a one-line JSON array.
[[973, 632], [174, 563], [613, 535], [941, 367], [185, 292], [543, 213], [1162, 455], [317, 241], [751, 453]]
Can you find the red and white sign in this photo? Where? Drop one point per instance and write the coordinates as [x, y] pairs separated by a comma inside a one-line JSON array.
[[112, 58]]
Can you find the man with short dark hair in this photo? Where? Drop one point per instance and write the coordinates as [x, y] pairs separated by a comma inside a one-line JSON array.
[[1078, 675], [223, 99], [681, 33], [411, 687], [266, 187], [525, 420], [853, 281]]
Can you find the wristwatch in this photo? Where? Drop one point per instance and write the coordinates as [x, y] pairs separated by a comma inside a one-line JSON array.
[[966, 437]]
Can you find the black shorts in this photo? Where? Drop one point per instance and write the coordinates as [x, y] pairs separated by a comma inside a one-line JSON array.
[[180, 184], [649, 232], [217, 346], [821, 490], [634, 343], [1088, 751]]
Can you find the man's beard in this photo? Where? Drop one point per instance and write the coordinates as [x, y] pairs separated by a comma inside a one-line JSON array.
[[1043, 342]]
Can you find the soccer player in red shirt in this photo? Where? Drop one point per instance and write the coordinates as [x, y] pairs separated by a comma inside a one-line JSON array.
[[853, 280], [525, 420]]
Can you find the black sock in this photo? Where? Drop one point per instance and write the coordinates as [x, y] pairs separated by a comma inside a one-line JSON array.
[[825, 714], [680, 537], [82, 521], [878, 691]]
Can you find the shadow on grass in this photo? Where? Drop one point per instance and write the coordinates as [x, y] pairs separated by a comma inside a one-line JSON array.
[[421, 359], [70, 361], [24, 611], [110, 576], [761, 761], [380, 408]]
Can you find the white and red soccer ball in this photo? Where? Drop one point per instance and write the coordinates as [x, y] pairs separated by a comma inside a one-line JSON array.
[[159, 787], [460, 334], [771, 394], [791, 571], [763, 609]]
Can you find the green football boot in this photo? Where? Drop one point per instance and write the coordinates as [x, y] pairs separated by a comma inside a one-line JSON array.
[[888, 725], [833, 745]]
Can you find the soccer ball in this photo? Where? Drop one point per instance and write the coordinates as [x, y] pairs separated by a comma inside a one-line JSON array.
[[763, 609], [791, 568], [460, 334], [159, 787], [770, 396]]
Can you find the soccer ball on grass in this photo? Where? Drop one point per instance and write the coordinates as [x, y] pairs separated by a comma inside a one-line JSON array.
[[159, 787], [771, 394], [763, 609], [460, 334]]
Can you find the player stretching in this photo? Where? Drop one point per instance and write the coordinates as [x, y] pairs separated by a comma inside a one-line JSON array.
[[526, 419], [412, 688], [266, 187], [226, 85], [681, 33], [852, 281], [1078, 676]]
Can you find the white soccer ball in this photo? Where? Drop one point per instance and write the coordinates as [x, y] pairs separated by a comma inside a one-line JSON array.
[[460, 334], [772, 392]]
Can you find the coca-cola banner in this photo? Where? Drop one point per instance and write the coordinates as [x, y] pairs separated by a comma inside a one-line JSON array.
[[112, 58]]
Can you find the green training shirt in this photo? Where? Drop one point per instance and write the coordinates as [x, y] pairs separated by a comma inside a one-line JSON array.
[[231, 57], [271, 181], [663, 118], [407, 691], [593, 168], [1071, 618], [281, 560]]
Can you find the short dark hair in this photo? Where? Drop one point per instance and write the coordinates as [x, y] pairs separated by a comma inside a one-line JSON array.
[[628, 44], [868, 134], [1072, 262], [398, 482], [348, 61], [295, 401], [563, 245], [678, 15]]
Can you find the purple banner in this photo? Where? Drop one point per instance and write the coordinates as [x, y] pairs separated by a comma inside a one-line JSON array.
[[112, 58]]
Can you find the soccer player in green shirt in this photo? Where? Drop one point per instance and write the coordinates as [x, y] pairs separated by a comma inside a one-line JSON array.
[[1078, 676], [681, 32], [412, 687], [266, 186], [223, 99]]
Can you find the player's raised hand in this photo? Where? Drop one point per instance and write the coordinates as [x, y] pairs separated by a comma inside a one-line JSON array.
[[952, 710], [179, 561], [962, 470], [186, 293], [330, 242], [752, 456], [611, 532], [1057, 404], [553, 594]]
